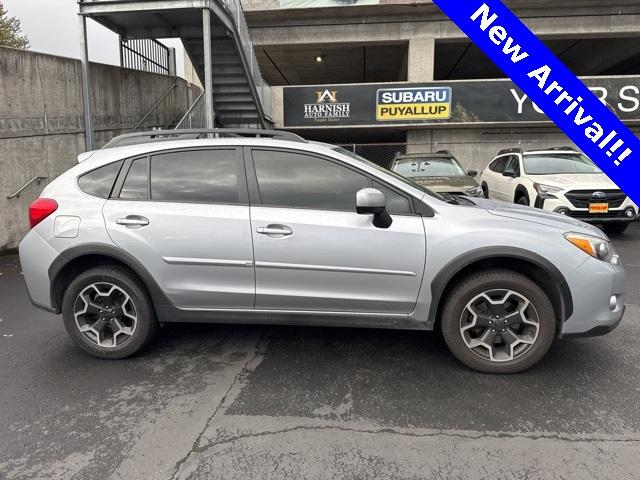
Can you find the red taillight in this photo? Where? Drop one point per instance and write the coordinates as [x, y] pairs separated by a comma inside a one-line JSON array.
[[40, 209]]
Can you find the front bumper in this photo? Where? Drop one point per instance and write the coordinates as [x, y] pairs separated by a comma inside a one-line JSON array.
[[595, 311], [617, 215]]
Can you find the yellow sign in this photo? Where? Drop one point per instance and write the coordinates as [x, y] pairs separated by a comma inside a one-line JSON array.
[[428, 103]]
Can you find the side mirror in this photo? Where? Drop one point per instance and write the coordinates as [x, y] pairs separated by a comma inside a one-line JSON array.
[[472, 173], [509, 173], [370, 201]]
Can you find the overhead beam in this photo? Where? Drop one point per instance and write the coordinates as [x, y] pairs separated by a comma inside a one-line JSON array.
[[190, 32]]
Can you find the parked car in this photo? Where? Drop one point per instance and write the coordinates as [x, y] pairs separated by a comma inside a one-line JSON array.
[[561, 180], [263, 227], [440, 172]]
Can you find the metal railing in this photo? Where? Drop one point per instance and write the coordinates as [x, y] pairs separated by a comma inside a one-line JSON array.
[[38, 178], [147, 55], [234, 7], [195, 116], [154, 107]]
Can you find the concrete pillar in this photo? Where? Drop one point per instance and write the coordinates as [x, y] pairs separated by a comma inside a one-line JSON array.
[[86, 85], [422, 56], [420, 68], [208, 72]]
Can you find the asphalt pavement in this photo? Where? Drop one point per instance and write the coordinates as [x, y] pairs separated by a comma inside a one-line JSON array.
[[248, 402]]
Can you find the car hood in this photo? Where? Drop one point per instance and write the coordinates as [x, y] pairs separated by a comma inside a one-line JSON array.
[[568, 181], [446, 184], [535, 215]]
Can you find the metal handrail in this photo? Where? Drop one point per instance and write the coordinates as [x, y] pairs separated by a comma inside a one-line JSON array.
[[37, 178], [154, 106], [191, 108]]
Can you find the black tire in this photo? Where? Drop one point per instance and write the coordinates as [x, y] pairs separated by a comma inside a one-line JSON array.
[[615, 227], [498, 279], [146, 326], [523, 200], [485, 190]]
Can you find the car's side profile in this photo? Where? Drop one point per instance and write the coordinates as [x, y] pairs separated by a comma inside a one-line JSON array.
[[268, 228], [560, 180]]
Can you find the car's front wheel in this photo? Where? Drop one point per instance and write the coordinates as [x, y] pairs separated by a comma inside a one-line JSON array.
[[108, 313], [498, 321]]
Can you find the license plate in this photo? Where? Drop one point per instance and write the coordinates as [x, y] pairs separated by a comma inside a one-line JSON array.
[[598, 208]]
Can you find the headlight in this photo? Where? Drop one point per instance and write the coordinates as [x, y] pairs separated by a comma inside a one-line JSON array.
[[475, 192], [594, 246], [546, 191]]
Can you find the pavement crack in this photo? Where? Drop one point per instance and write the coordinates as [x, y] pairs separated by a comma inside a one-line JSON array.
[[245, 367], [436, 433]]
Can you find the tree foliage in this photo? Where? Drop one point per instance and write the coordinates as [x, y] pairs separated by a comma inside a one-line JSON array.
[[11, 31]]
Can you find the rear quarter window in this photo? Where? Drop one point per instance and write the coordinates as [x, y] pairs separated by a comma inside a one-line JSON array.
[[99, 182]]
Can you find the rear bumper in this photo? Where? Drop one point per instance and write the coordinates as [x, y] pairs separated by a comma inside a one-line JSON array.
[[36, 256], [598, 298]]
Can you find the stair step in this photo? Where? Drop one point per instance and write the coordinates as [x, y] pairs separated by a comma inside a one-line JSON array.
[[228, 70], [224, 97], [247, 107], [232, 81]]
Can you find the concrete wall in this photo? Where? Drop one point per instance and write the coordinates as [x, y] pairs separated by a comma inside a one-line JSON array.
[[41, 126]]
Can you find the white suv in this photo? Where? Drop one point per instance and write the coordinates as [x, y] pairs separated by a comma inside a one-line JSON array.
[[561, 180]]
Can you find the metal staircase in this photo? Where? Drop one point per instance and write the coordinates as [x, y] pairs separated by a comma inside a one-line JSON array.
[[216, 39]]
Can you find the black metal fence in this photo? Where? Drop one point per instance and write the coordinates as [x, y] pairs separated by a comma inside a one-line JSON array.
[[382, 154], [147, 55]]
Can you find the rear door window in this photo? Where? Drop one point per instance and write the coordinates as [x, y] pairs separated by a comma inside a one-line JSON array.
[[99, 182], [136, 185], [195, 176]]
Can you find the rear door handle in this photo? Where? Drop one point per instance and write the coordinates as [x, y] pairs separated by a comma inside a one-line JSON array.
[[133, 221], [275, 230]]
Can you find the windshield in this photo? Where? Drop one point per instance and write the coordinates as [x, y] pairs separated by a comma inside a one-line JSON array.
[[558, 163], [432, 167], [355, 156]]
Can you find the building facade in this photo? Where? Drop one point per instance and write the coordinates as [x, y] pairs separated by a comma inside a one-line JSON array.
[[388, 76]]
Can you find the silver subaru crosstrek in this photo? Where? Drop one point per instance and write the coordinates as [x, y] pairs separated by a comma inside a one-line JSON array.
[[237, 226]]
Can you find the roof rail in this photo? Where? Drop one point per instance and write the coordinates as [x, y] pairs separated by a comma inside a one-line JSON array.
[[552, 149], [444, 152], [168, 135], [511, 150]]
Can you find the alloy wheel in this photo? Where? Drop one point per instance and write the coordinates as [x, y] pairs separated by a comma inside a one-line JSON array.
[[499, 325], [105, 314]]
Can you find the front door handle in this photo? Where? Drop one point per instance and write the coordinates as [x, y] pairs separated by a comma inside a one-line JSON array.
[[275, 230], [133, 221]]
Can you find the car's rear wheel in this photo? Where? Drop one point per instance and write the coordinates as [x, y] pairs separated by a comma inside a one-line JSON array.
[[498, 321], [108, 313], [615, 227], [523, 200]]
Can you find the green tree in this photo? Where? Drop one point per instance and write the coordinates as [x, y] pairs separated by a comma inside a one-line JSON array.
[[11, 31]]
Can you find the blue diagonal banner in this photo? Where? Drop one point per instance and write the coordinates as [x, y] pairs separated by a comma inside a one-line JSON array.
[[552, 86]]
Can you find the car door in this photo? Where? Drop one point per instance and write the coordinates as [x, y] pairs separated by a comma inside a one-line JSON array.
[[313, 252], [497, 189], [185, 216], [510, 182]]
